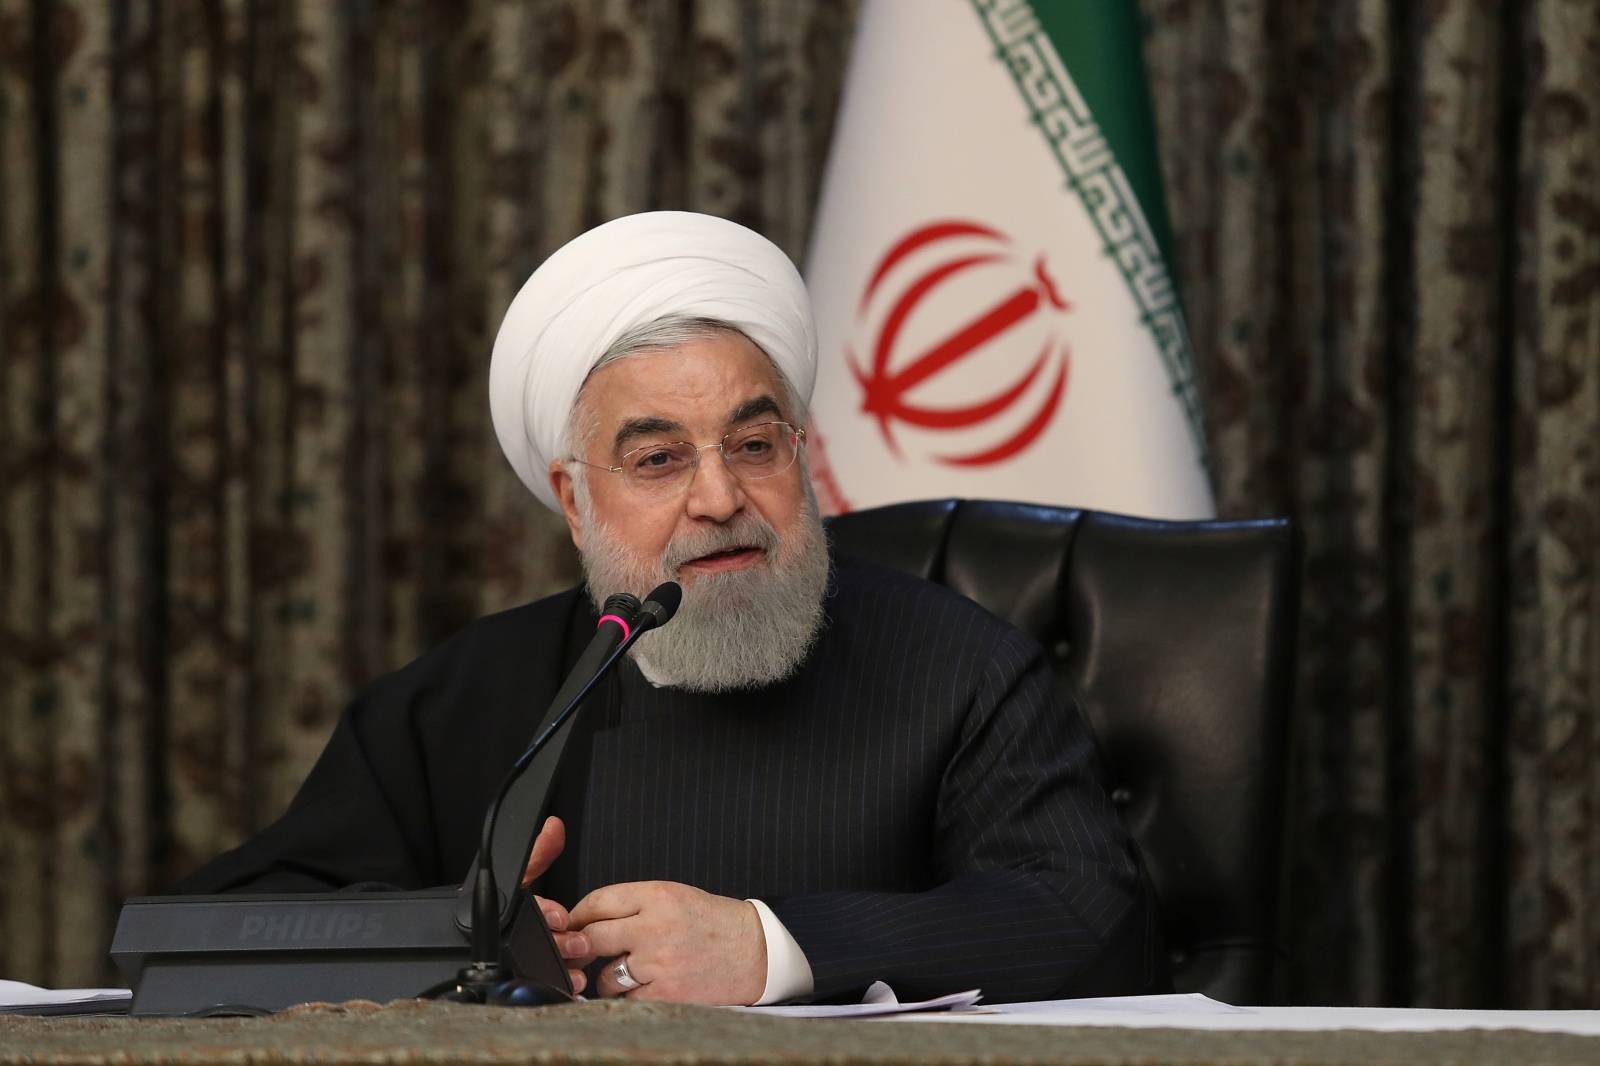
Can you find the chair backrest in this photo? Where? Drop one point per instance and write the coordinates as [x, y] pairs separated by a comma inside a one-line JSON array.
[[1178, 640]]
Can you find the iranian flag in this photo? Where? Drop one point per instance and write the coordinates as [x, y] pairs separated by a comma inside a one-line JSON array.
[[991, 268]]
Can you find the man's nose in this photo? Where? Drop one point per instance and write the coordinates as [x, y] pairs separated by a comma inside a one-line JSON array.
[[714, 493]]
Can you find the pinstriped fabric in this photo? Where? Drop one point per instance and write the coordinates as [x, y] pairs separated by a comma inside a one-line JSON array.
[[915, 804]]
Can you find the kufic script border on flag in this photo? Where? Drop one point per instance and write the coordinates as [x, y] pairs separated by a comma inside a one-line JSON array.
[[1058, 111]]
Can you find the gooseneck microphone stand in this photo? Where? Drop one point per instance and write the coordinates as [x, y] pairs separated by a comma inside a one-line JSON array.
[[487, 979]]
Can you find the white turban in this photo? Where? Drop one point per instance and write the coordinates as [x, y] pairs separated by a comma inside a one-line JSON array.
[[626, 273]]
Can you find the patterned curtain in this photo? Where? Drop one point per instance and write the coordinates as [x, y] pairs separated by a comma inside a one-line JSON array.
[[253, 254], [252, 258], [1389, 223]]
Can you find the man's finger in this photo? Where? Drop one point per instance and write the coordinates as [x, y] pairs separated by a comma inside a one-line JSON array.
[[547, 847], [614, 936], [555, 915], [607, 986], [577, 979], [612, 901], [573, 945]]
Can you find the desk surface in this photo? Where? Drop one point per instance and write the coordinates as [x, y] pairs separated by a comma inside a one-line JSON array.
[[616, 1032]]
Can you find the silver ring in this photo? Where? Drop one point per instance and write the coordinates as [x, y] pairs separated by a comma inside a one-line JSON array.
[[625, 979]]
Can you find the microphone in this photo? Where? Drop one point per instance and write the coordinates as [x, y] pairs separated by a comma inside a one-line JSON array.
[[661, 605], [615, 626], [656, 611], [623, 620]]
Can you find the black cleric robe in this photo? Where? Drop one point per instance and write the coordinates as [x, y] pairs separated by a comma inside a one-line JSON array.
[[917, 804]]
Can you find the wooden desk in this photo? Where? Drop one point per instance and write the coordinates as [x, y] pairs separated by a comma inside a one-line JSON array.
[[444, 1034], [439, 1034]]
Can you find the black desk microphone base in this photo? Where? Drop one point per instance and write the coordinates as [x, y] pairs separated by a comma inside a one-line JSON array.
[[253, 954]]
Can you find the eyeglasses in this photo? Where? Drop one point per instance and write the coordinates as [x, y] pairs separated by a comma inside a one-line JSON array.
[[751, 453]]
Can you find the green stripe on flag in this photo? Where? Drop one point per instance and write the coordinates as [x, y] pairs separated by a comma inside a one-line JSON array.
[[1099, 42]]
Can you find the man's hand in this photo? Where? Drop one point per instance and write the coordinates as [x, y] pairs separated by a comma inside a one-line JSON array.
[[682, 944], [574, 947]]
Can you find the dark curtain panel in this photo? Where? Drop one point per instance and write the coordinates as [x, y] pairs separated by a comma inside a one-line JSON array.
[[253, 255], [1390, 245]]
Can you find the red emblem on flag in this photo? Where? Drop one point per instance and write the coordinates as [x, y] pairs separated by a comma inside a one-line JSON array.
[[953, 250]]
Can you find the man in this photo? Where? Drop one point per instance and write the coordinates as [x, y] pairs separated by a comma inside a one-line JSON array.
[[817, 775]]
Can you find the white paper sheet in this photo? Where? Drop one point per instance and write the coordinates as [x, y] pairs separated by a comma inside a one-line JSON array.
[[16, 997], [1187, 1004], [1195, 1011], [879, 1001]]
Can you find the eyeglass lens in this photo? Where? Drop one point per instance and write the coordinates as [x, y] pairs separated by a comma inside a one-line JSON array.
[[751, 453]]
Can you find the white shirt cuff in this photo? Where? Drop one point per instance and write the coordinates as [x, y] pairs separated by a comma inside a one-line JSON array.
[[788, 972]]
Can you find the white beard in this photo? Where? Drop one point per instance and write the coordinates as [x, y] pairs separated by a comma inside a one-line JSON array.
[[738, 629]]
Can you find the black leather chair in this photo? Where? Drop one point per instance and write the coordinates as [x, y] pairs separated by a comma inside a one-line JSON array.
[[1178, 640]]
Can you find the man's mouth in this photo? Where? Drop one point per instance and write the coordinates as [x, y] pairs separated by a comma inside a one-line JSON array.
[[735, 558]]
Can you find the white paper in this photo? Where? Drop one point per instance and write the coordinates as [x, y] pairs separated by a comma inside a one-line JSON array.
[[1195, 1011], [1188, 1004], [15, 995], [879, 1000]]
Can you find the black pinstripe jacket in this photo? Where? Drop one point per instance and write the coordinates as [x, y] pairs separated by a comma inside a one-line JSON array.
[[916, 804]]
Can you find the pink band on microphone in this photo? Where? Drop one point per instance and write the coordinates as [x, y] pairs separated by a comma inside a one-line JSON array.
[[626, 631]]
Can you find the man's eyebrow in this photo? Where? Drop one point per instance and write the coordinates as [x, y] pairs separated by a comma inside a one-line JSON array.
[[652, 426], [643, 427], [761, 405]]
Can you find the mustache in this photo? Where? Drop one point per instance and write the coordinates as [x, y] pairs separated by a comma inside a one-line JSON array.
[[747, 531]]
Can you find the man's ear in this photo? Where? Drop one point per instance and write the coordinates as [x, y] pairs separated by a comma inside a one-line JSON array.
[[566, 491]]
